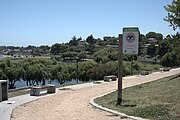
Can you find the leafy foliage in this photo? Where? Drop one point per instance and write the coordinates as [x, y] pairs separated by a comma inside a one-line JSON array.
[[172, 57], [90, 39], [157, 36], [173, 16], [69, 54], [58, 48], [82, 55], [104, 55]]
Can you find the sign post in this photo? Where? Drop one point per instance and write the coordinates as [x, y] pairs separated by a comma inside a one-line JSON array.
[[128, 44], [120, 62]]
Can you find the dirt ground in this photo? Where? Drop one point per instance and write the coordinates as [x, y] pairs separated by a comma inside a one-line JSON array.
[[74, 104]]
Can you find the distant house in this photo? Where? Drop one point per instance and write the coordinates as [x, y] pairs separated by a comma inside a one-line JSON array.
[[82, 43], [17, 55], [6, 51], [152, 40], [113, 46], [107, 38], [146, 45], [27, 51]]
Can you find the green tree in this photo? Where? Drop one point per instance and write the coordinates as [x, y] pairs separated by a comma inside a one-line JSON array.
[[63, 76], [84, 67], [3, 66], [32, 75], [142, 39], [82, 55], [54, 71], [171, 59], [129, 57], [99, 71], [73, 71], [2, 75], [2, 70], [73, 41], [159, 36], [45, 48], [151, 50], [91, 44], [112, 41], [14, 73], [164, 47], [151, 35], [8, 63], [36, 71], [90, 39], [69, 54], [113, 56], [173, 16], [100, 42], [104, 55], [58, 48], [172, 56]]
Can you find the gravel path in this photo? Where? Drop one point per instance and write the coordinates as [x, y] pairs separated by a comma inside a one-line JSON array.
[[73, 104]]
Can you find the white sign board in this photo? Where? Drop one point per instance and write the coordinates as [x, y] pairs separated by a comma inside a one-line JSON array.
[[130, 40]]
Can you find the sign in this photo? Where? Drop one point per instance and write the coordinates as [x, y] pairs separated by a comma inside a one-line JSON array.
[[130, 40]]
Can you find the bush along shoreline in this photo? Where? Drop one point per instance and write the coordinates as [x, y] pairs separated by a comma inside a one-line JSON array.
[[40, 71]]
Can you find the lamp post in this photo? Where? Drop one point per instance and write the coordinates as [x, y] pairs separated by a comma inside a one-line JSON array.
[[156, 53], [77, 71]]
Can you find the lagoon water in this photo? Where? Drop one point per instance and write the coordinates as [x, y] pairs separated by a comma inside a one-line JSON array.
[[22, 83]]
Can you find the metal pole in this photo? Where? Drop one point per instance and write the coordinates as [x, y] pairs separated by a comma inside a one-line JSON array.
[[131, 63], [120, 62], [77, 72]]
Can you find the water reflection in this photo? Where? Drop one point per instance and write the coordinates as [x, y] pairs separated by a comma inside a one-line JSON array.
[[22, 83]]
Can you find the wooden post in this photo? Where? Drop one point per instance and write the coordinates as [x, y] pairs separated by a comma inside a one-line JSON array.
[[120, 62]]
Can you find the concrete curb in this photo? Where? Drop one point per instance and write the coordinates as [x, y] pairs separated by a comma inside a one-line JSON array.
[[112, 111]]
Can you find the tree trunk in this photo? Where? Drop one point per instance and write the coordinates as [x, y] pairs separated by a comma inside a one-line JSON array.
[[43, 82]]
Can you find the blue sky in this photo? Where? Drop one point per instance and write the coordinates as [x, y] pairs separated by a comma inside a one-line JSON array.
[[45, 22]]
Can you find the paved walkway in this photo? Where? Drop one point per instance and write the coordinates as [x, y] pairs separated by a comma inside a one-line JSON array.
[[7, 107]]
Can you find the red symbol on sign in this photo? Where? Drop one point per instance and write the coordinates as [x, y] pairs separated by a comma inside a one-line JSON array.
[[130, 37]]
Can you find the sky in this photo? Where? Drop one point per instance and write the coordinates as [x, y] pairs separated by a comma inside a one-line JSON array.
[[46, 22]]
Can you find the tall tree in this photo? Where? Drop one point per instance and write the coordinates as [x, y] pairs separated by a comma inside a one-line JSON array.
[[151, 35], [151, 50], [159, 36], [142, 38], [173, 16], [73, 41], [14, 73], [90, 39]]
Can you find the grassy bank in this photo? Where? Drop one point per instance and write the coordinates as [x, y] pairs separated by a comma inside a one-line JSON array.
[[155, 100]]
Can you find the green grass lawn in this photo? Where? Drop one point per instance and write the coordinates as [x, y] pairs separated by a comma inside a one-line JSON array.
[[155, 100]]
